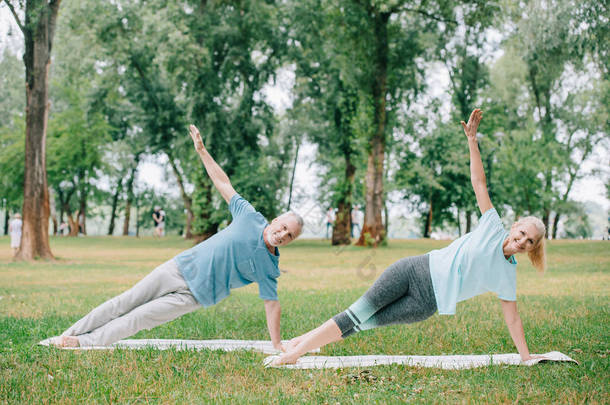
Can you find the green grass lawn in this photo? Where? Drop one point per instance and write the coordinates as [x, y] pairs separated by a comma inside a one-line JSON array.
[[567, 309]]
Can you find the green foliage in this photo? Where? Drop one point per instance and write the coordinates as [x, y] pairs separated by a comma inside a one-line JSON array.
[[235, 50], [432, 171], [577, 224], [77, 134], [12, 129], [12, 155]]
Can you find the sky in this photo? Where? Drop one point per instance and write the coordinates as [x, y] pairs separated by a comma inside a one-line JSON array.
[[278, 94]]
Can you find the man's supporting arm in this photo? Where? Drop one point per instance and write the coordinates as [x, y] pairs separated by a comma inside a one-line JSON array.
[[273, 311]]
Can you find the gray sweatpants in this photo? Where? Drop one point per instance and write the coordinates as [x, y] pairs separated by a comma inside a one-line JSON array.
[[158, 298], [402, 294]]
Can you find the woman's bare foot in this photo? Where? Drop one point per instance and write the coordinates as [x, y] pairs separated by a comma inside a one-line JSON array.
[[286, 358]]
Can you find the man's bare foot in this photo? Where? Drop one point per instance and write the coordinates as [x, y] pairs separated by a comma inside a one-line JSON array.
[[65, 341], [291, 344]]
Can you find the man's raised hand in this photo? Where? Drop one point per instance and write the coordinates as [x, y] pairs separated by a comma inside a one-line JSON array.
[[194, 132], [473, 124]]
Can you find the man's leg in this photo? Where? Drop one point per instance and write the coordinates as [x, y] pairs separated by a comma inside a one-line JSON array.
[[156, 312], [163, 280]]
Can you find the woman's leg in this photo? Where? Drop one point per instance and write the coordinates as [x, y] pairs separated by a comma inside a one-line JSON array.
[[390, 287], [327, 333], [396, 282], [163, 280], [419, 303]]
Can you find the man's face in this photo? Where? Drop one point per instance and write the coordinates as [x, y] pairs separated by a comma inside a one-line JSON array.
[[282, 230]]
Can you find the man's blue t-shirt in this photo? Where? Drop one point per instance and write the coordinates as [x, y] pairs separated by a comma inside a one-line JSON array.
[[472, 265], [234, 257]]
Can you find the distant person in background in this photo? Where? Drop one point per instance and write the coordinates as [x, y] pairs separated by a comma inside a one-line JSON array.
[[63, 227], [158, 221], [161, 225], [355, 219], [14, 229], [330, 220]]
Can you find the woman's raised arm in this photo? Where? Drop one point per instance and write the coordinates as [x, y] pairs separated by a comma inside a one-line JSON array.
[[477, 174]]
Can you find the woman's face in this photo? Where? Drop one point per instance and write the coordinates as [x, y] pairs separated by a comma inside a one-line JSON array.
[[523, 237]]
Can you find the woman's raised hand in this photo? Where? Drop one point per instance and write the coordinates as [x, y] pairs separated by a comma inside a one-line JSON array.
[[473, 124], [194, 132]]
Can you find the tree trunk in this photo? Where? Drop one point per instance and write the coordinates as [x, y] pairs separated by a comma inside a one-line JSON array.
[[64, 201], [428, 223], [343, 222], [188, 201], [546, 214], [294, 169], [137, 217], [206, 208], [129, 201], [82, 213], [72, 223], [6, 220], [386, 214], [38, 32], [373, 231], [468, 221], [115, 202], [555, 223], [65, 208]]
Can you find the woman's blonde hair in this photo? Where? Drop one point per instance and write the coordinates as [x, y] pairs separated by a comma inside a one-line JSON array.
[[537, 255]]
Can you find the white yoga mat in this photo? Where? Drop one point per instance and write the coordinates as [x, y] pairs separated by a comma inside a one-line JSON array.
[[454, 362], [227, 345]]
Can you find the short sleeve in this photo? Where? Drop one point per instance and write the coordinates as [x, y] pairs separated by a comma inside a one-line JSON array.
[[267, 288], [239, 206], [490, 222]]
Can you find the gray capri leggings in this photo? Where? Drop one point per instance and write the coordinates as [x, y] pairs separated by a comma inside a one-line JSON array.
[[402, 294]]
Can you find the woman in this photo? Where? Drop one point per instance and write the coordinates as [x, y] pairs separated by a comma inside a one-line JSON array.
[[414, 288]]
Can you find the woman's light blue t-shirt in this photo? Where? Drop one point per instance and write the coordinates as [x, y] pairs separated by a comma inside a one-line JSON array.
[[472, 265], [234, 257]]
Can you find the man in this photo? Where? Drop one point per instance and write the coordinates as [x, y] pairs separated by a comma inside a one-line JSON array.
[[244, 252]]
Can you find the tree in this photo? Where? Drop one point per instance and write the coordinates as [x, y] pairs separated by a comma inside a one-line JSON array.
[[554, 40], [328, 101], [383, 42], [38, 30], [77, 133], [430, 171]]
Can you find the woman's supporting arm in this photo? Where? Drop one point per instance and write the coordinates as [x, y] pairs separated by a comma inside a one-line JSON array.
[[477, 174], [515, 327], [219, 177]]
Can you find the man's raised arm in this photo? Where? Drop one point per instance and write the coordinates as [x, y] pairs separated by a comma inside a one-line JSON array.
[[219, 177]]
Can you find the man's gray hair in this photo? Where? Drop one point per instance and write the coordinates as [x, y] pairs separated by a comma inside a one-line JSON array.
[[296, 217]]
